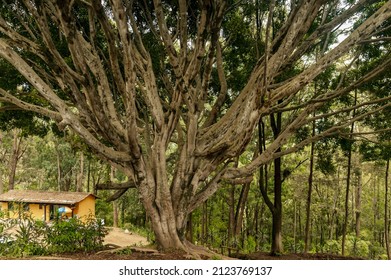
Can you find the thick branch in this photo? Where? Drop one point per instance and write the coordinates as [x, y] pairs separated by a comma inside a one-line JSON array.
[[115, 186]]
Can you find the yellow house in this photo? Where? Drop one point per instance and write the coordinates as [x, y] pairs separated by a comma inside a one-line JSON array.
[[47, 205]]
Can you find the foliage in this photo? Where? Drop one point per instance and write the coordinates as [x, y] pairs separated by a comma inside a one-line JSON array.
[[33, 237], [73, 235]]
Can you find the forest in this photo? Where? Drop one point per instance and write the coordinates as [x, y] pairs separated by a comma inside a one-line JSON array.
[[238, 126]]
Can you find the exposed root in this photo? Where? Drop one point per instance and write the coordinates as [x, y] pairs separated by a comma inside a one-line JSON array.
[[200, 252]]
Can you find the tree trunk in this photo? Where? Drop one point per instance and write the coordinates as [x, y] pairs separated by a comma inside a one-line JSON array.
[[1, 181], [276, 206], [358, 201], [240, 208], [309, 195], [204, 224], [88, 175], [1, 164], [231, 216], [386, 220], [345, 224], [277, 247], [59, 169], [80, 175], [190, 229], [115, 213], [15, 156]]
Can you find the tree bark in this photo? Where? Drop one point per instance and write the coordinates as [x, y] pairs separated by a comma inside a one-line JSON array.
[[15, 156], [277, 247], [115, 214], [59, 168], [231, 216], [348, 178], [358, 201], [309, 195], [386, 218], [1, 164], [80, 175], [239, 214]]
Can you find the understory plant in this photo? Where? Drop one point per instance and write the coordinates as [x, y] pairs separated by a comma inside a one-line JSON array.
[[31, 237]]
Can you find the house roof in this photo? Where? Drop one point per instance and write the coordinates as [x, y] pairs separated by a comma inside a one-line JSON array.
[[48, 197]]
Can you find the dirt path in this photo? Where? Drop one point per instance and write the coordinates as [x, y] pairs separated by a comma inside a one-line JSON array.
[[119, 237]]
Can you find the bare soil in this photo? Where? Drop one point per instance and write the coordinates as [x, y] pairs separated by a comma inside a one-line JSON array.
[[119, 237]]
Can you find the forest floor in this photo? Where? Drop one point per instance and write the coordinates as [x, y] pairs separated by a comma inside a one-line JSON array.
[[123, 245], [134, 253]]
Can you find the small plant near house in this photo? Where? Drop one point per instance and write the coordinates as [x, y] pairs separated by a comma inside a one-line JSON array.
[[32, 237], [72, 235], [26, 239]]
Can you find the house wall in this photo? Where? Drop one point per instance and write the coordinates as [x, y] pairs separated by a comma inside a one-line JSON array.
[[36, 213], [82, 210], [14, 214], [3, 207], [85, 208]]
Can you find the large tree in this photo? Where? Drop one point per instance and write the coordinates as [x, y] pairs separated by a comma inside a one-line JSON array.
[[153, 87]]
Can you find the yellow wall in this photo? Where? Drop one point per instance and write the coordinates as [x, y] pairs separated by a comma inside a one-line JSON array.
[[82, 210], [85, 208], [15, 214]]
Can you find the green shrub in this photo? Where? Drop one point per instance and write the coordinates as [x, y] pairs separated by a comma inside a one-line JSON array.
[[72, 235], [62, 236], [27, 239]]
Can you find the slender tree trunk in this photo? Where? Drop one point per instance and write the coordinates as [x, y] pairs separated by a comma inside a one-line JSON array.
[[240, 208], [358, 202], [15, 156], [204, 225], [231, 216], [345, 224], [277, 247], [115, 202], [80, 176], [276, 206], [59, 169], [309, 195], [88, 175], [115, 213], [294, 224], [1, 164], [1, 181], [386, 220]]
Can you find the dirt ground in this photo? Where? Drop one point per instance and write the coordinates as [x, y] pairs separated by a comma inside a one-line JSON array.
[[118, 237]]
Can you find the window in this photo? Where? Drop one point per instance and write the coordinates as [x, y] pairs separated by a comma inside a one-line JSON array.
[[11, 206]]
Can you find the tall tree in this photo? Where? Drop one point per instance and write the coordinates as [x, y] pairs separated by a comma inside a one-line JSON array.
[[17, 152], [386, 220], [1, 164], [146, 86]]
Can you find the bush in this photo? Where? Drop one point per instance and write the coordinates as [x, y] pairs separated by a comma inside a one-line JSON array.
[[62, 236], [72, 235], [27, 239]]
